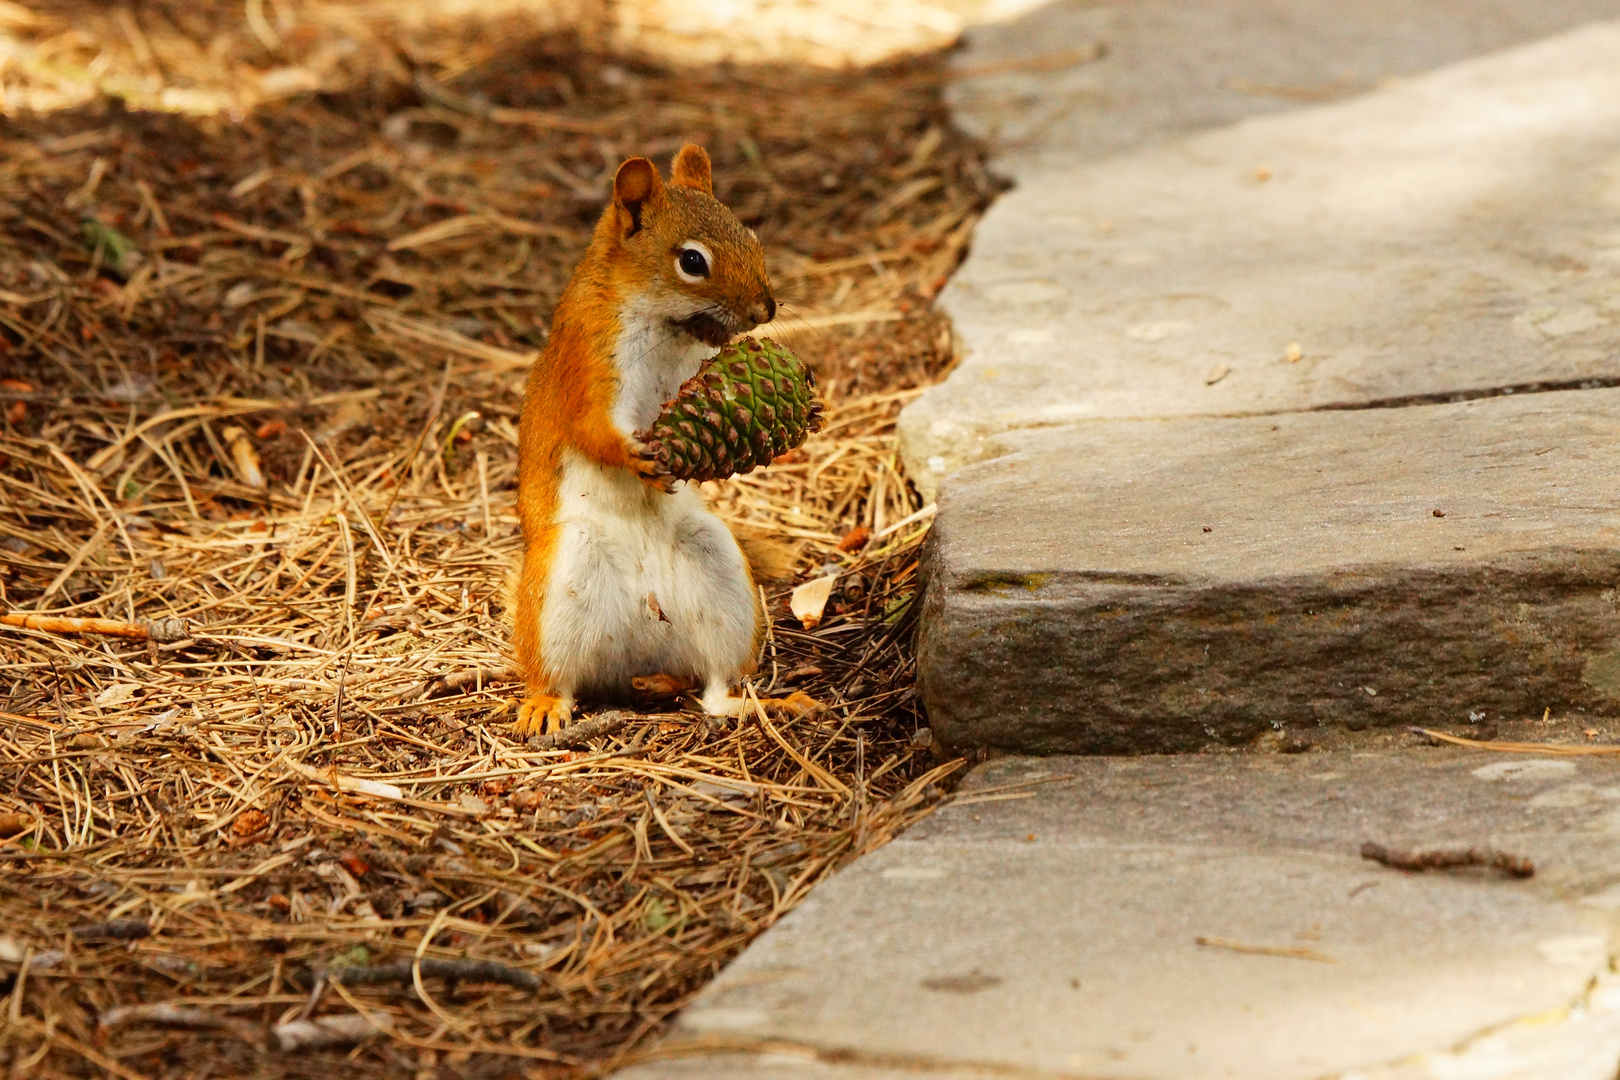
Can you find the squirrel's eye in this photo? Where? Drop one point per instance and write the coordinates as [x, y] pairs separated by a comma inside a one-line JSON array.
[[693, 264]]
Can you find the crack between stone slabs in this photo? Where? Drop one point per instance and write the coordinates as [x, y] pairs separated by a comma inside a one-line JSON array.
[[1532, 570], [1443, 397], [1454, 397], [1582, 1001], [836, 1056]]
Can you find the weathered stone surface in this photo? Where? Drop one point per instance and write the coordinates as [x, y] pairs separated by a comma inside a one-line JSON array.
[[1038, 88], [1050, 929], [1156, 585], [1456, 232], [796, 1063]]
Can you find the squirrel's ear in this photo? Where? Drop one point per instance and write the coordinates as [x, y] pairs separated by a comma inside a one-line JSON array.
[[635, 184], [691, 169]]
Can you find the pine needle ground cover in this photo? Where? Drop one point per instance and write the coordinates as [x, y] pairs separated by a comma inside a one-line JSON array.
[[259, 384]]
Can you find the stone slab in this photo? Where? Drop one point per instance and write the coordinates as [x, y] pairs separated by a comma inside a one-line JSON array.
[[1045, 925], [790, 1062], [1140, 586], [1081, 81], [1454, 233]]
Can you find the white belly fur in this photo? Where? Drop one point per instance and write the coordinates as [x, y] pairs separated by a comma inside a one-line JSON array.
[[653, 359], [642, 583]]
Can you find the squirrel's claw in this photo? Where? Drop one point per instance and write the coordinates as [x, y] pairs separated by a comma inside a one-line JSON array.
[[542, 715], [645, 464]]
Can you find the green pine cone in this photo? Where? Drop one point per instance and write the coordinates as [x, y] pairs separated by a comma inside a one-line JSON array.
[[750, 403]]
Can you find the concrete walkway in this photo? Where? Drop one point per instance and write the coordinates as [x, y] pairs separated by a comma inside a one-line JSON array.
[[1049, 924], [1287, 417]]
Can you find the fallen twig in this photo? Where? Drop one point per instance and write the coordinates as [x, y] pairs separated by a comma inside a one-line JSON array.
[[168, 1014], [162, 631], [328, 1032], [1290, 951], [1566, 749], [440, 685], [400, 971], [578, 736], [473, 677], [115, 930], [1514, 866]]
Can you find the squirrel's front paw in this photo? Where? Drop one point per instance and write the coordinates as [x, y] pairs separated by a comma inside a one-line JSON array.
[[645, 463], [542, 715]]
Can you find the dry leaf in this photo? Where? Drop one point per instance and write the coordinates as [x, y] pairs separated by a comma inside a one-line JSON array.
[[810, 600], [347, 783], [327, 1032], [118, 693], [13, 15], [14, 825], [349, 413], [250, 822], [449, 229], [244, 457]]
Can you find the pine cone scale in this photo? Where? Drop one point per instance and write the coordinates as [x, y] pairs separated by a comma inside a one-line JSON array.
[[750, 403]]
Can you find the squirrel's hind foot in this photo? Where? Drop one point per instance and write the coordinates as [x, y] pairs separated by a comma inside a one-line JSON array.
[[718, 700], [793, 706], [543, 714], [661, 686]]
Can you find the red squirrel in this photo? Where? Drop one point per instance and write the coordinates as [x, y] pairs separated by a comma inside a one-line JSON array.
[[622, 578]]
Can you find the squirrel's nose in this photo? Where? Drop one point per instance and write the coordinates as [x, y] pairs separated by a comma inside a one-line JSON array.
[[764, 311]]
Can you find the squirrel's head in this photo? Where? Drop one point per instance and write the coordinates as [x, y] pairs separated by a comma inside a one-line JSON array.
[[706, 270]]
